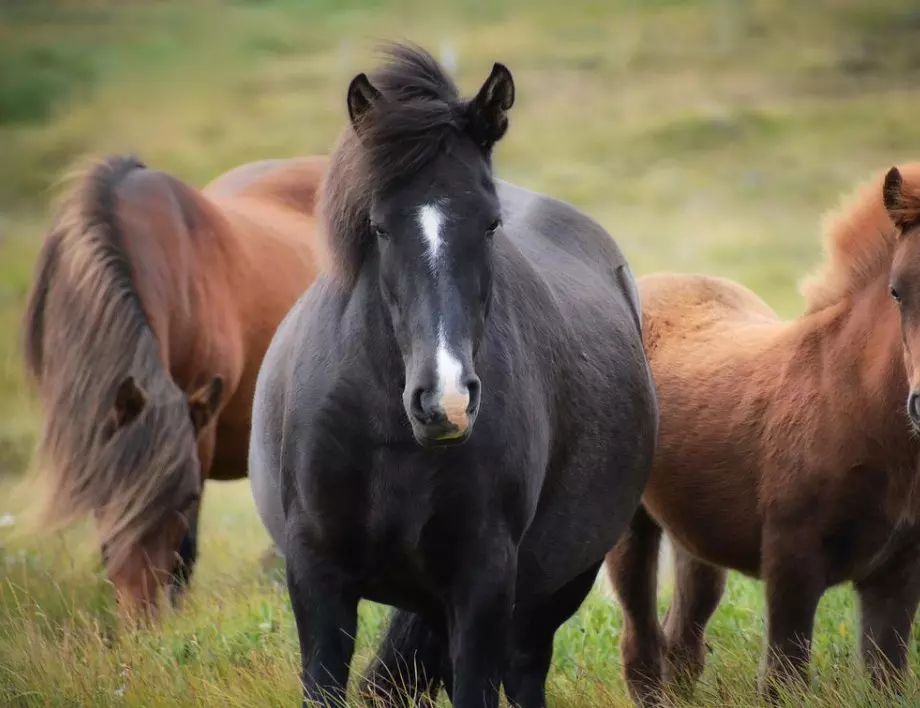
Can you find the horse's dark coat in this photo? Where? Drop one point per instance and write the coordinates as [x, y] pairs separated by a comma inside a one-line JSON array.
[[516, 519]]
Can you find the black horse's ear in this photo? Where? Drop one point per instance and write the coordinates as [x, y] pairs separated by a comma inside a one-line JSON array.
[[130, 400], [362, 95], [903, 207], [203, 403], [488, 112]]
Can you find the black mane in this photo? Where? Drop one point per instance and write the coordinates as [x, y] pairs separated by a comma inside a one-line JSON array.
[[421, 117]]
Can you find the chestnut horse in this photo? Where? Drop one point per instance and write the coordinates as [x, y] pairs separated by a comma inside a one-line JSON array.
[[786, 451], [151, 308]]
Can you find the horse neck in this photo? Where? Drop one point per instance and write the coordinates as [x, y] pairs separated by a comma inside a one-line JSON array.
[[862, 336]]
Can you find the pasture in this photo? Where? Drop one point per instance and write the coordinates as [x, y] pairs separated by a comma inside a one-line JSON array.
[[704, 134]]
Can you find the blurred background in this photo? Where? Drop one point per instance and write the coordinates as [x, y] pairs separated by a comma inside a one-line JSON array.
[[705, 135]]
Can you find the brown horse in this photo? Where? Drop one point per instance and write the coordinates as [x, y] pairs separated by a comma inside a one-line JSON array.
[[151, 308], [786, 451]]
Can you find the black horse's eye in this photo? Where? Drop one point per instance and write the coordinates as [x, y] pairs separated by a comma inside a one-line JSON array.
[[379, 231], [894, 295], [493, 227]]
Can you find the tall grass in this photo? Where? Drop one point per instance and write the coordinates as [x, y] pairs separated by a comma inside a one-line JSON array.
[[704, 134]]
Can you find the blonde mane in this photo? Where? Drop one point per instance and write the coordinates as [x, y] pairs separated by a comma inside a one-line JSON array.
[[859, 239]]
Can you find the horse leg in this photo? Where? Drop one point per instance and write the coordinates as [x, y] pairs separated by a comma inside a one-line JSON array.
[[479, 614], [794, 584], [532, 640], [326, 614], [407, 668], [888, 601], [632, 566], [698, 589], [181, 577]]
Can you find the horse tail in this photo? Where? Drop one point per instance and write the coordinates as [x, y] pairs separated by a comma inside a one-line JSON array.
[[88, 206], [409, 662]]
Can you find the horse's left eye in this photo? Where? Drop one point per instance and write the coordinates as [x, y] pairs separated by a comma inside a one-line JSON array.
[[895, 295], [493, 227]]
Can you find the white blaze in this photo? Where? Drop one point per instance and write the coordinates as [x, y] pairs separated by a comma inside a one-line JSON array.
[[452, 396], [431, 219], [449, 369]]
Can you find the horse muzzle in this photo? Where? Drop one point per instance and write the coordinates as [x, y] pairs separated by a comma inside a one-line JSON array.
[[444, 419]]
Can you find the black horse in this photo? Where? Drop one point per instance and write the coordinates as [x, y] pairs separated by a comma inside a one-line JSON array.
[[456, 302]]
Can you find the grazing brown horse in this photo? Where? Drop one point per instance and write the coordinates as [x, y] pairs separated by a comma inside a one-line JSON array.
[[786, 450], [151, 308]]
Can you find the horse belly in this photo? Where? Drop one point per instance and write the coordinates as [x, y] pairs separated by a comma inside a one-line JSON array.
[[586, 504], [708, 511]]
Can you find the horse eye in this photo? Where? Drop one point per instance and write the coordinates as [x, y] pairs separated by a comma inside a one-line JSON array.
[[493, 227], [192, 499], [895, 296], [379, 231]]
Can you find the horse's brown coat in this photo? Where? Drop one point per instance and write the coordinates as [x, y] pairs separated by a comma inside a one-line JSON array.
[[146, 278], [784, 452]]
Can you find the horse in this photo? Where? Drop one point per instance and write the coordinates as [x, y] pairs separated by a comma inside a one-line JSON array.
[[457, 417], [786, 452], [151, 307]]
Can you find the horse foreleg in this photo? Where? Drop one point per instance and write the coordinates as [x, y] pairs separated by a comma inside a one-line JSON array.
[[181, 576], [325, 611], [888, 601], [532, 640], [632, 566], [481, 601], [794, 585]]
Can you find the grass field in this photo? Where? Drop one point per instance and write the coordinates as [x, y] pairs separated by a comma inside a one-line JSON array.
[[705, 134]]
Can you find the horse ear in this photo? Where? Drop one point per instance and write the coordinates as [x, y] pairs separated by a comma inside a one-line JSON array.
[[203, 403], [892, 191], [130, 400], [902, 207], [488, 112], [362, 95]]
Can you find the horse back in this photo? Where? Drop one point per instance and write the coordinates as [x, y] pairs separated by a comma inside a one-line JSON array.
[[292, 182], [689, 308]]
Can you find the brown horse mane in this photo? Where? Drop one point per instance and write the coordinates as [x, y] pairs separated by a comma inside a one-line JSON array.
[[423, 115], [84, 330], [859, 242]]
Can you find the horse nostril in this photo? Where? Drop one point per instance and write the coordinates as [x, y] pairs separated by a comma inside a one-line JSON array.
[[417, 406], [474, 388]]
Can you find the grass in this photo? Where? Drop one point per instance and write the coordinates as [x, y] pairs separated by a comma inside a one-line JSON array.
[[705, 134]]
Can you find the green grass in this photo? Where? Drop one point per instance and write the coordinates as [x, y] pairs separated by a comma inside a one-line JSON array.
[[704, 134]]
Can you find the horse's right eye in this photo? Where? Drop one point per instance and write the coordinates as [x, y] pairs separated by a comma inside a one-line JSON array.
[[379, 231], [894, 295]]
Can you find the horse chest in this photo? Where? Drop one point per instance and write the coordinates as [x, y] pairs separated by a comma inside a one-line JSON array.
[[400, 524]]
